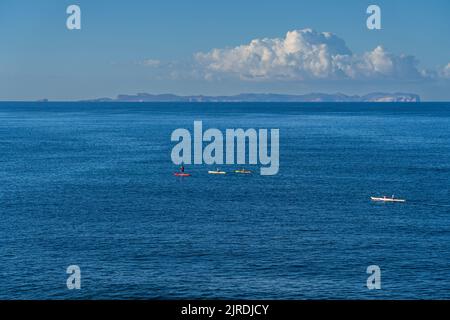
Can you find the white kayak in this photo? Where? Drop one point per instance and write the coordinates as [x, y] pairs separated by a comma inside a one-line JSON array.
[[217, 172], [387, 199]]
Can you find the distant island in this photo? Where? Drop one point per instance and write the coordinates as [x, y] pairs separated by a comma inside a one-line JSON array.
[[265, 97]]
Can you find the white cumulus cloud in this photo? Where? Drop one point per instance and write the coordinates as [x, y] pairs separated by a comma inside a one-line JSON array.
[[306, 55], [445, 73]]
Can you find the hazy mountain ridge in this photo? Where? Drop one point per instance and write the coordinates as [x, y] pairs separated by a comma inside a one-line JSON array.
[[266, 97]]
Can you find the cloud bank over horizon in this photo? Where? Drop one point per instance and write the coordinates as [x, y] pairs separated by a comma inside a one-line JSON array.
[[306, 54]]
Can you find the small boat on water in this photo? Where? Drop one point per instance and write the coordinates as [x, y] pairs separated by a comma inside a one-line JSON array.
[[181, 174], [387, 199], [217, 172], [242, 171]]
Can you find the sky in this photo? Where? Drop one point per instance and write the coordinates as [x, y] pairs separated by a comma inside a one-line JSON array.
[[214, 47]]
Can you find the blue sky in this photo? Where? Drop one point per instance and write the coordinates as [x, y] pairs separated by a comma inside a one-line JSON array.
[[158, 47]]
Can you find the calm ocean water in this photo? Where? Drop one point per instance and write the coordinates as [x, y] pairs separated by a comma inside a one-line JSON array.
[[92, 185]]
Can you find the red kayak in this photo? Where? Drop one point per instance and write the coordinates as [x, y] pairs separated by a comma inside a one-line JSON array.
[[181, 174]]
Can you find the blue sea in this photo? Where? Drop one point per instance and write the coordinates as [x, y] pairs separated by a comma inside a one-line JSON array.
[[91, 184]]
